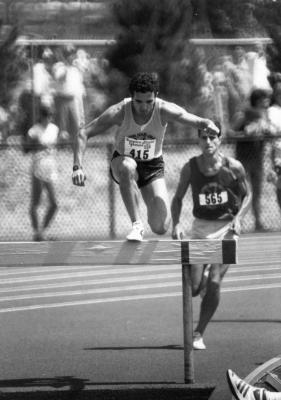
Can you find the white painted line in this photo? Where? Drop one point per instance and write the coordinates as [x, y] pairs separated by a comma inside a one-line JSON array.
[[235, 270], [29, 270], [90, 282], [254, 287], [90, 291], [251, 277], [87, 302], [134, 278], [127, 298], [90, 273], [113, 289]]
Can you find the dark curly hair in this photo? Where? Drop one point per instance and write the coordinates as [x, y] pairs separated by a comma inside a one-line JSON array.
[[144, 82], [257, 95]]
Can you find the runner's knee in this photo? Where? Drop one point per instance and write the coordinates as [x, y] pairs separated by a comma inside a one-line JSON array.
[[159, 225], [126, 169]]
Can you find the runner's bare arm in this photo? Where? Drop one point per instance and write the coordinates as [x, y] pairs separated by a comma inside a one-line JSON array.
[[113, 116], [100, 125], [171, 112], [176, 207], [247, 196]]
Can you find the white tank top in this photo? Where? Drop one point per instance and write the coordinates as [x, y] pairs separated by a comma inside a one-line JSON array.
[[142, 142]]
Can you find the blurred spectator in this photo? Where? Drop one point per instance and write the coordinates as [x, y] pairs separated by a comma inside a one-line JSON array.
[[4, 125], [258, 67], [274, 115], [99, 79], [274, 111], [43, 82], [69, 94], [206, 91], [234, 97], [28, 105], [82, 61], [254, 124], [38, 88], [43, 137], [241, 72], [222, 88]]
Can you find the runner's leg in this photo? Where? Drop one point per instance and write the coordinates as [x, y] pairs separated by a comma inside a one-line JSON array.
[[52, 207], [36, 191], [124, 170], [156, 198], [211, 299]]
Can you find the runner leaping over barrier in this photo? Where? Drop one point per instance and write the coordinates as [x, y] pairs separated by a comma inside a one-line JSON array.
[[150, 252]]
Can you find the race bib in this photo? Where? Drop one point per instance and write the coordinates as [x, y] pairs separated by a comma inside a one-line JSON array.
[[140, 149], [213, 199]]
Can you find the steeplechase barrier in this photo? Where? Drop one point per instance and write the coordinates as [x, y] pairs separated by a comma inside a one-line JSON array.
[[150, 252]]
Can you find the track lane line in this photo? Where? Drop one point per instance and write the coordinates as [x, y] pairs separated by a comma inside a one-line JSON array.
[[126, 298]]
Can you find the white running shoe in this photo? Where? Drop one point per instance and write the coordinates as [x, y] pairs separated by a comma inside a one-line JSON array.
[[137, 232], [242, 390], [198, 343]]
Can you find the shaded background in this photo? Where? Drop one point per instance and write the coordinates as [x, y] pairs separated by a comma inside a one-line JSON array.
[[170, 37]]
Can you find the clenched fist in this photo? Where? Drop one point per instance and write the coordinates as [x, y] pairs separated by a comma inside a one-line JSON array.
[[78, 177]]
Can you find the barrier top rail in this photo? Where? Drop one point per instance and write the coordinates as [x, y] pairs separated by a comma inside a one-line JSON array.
[[153, 252]]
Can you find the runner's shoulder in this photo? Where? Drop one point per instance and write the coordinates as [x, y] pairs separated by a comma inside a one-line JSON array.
[[235, 165], [186, 169], [115, 112]]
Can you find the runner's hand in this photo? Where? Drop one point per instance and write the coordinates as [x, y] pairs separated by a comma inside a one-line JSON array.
[[177, 232], [272, 177], [78, 177], [235, 226], [212, 127]]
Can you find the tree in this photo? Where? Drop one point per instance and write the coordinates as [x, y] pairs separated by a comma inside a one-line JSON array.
[[269, 14], [153, 36]]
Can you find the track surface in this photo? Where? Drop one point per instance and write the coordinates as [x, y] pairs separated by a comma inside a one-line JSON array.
[[124, 323]]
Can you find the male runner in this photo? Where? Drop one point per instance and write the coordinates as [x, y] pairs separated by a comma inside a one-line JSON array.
[[221, 197], [137, 162]]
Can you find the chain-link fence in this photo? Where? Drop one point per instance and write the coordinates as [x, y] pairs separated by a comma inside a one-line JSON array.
[[96, 211]]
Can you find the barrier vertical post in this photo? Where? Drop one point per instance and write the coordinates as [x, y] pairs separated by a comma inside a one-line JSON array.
[[187, 324]]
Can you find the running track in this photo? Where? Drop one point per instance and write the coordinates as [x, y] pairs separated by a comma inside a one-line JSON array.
[[50, 314]]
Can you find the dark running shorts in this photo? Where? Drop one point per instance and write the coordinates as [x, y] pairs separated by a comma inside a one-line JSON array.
[[147, 170]]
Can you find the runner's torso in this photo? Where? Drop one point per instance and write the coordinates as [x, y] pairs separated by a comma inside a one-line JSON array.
[[142, 142], [216, 196]]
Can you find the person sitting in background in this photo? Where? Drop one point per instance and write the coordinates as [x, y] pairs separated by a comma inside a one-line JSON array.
[[43, 137], [242, 390], [254, 124]]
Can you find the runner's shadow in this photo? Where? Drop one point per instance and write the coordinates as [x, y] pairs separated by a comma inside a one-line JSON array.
[[167, 347], [74, 384], [250, 321]]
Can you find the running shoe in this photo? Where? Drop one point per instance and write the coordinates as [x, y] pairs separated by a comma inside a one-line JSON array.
[[241, 390], [198, 343], [137, 232]]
